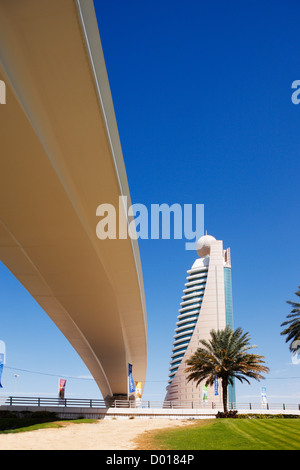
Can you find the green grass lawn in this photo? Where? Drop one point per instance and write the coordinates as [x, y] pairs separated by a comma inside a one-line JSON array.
[[229, 434]]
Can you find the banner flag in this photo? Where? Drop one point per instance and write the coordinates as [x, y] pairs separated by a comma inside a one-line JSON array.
[[62, 388], [216, 386], [2, 352], [204, 393], [1, 370], [138, 391], [263, 395], [2, 359], [130, 379]]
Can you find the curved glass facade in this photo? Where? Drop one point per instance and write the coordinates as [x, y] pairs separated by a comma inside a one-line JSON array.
[[229, 320], [188, 315]]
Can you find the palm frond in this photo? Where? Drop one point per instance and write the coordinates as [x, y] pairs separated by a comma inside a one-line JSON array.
[[225, 355], [292, 324]]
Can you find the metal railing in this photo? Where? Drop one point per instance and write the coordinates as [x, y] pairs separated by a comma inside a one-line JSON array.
[[105, 404], [45, 402], [206, 405]]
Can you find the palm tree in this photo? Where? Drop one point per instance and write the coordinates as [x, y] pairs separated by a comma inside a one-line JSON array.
[[293, 329], [225, 356]]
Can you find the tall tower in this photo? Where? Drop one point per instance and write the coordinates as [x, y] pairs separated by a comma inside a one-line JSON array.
[[206, 305]]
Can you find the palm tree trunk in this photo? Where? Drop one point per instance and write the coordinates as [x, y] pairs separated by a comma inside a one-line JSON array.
[[225, 394]]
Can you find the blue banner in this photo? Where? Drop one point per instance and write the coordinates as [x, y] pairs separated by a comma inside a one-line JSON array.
[[1, 369], [130, 379], [216, 386]]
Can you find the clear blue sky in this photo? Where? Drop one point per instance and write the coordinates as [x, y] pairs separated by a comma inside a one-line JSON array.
[[202, 95]]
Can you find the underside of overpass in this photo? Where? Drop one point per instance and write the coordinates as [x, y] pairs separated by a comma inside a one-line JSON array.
[[60, 159]]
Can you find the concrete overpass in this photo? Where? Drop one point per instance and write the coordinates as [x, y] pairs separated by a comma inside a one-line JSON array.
[[60, 158]]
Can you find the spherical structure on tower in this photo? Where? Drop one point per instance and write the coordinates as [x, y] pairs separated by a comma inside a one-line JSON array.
[[203, 245]]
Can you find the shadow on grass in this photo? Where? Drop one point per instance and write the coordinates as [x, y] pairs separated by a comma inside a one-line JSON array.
[[11, 422]]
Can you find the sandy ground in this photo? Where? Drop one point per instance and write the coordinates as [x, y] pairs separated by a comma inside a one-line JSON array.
[[107, 434]]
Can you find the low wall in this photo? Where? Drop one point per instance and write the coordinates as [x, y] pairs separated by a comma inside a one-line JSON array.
[[122, 413]]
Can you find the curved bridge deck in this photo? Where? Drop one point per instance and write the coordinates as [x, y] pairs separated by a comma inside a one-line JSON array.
[[60, 158]]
